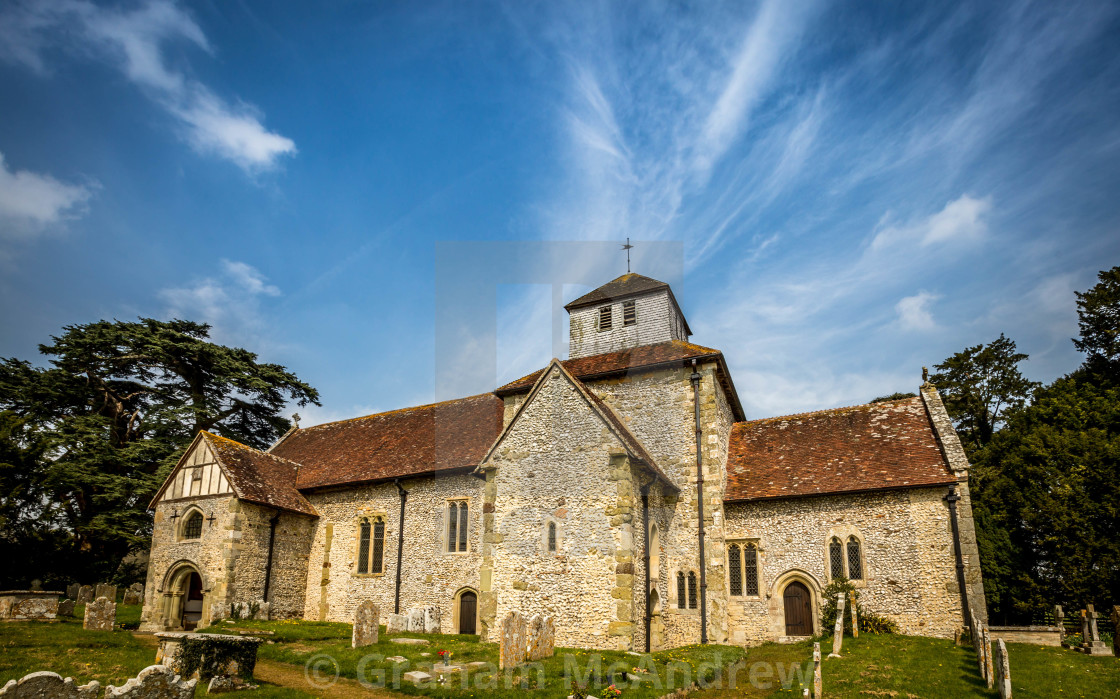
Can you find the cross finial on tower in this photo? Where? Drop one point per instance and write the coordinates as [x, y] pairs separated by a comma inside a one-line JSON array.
[[627, 249]]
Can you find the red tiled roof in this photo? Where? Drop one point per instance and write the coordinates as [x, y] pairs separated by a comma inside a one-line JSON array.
[[259, 477], [443, 436], [600, 365], [867, 447], [627, 285]]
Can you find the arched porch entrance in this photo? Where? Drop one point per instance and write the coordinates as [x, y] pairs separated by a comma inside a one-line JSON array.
[[465, 612], [794, 605], [183, 598]]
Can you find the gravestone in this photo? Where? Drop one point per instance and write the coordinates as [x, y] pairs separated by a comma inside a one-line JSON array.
[[416, 620], [72, 591], [36, 585], [542, 638], [131, 597], [1116, 630], [855, 620], [817, 684], [1059, 621], [989, 672], [1003, 670], [511, 650], [101, 615], [44, 685], [397, 623], [85, 594], [1091, 641], [366, 618], [106, 590], [66, 608], [39, 605], [417, 677], [138, 587], [153, 682], [838, 631], [431, 620]]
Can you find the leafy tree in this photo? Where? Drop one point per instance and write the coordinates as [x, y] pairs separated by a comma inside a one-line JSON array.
[[1098, 311], [894, 396], [979, 385], [87, 441]]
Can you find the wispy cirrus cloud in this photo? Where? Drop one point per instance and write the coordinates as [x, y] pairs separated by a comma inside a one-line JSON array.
[[30, 201], [230, 302], [134, 41]]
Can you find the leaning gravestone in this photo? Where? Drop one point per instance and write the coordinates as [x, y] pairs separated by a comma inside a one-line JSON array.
[[397, 623], [66, 608], [106, 590], [817, 684], [542, 638], [131, 597], [101, 615], [1003, 670], [366, 617], [511, 649], [431, 620], [153, 682], [72, 590], [855, 620], [49, 685], [85, 594], [838, 631]]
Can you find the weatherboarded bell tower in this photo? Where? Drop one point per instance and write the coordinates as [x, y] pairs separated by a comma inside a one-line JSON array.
[[628, 312]]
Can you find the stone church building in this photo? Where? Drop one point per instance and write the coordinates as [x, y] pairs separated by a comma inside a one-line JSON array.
[[622, 491]]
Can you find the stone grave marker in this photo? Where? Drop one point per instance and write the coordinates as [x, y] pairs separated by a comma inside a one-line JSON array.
[[397, 659], [989, 673], [431, 620], [511, 648], [131, 597], [838, 630], [366, 618], [72, 591], [1003, 670], [817, 686], [85, 594], [417, 677], [542, 635], [66, 608], [49, 685], [1116, 630], [138, 587], [106, 590], [101, 615], [36, 585], [397, 623], [1091, 640], [855, 619], [153, 682], [416, 620]]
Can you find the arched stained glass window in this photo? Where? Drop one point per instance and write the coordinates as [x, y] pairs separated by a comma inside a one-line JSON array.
[[552, 537], [363, 546], [682, 595], [377, 565], [855, 561], [735, 569], [750, 570], [692, 589], [836, 558], [192, 528]]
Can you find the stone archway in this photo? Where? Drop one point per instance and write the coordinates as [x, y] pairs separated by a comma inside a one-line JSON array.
[[184, 597], [800, 584], [464, 611]]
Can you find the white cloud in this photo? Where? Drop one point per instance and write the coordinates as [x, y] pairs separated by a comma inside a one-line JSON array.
[[30, 201], [230, 302], [913, 311], [249, 278], [133, 40], [962, 220]]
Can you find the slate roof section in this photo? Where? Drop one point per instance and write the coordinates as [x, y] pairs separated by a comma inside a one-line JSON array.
[[880, 446], [259, 477], [401, 443], [625, 286]]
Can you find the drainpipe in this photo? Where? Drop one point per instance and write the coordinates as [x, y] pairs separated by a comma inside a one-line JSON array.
[[952, 499], [645, 555], [400, 547], [695, 378], [268, 564]]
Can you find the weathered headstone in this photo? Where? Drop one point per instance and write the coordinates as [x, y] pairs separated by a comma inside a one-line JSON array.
[[131, 597], [43, 685], [838, 630], [1116, 630], [1003, 670], [106, 590], [989, 672], [153, 682], [416, 620], [431, 620], [101, 615], [397, 623], [222, 684], [817, 684], [1059, 621], [85, 594], [138, 587], [66, 608], [417, 677], [855, 620], [978, 645], [1091, 642], [36, 585], [72, 591], [542, 638], [512, 645], [39, 605], [366, 618]]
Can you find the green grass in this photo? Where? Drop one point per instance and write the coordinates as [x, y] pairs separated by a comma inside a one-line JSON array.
[[298, 643]]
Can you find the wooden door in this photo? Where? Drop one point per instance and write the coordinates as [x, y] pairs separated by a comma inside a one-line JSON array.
[[799, 610], [468, 606]]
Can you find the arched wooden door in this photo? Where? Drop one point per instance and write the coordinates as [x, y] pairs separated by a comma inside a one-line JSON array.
[[468, 612], [799, 610]]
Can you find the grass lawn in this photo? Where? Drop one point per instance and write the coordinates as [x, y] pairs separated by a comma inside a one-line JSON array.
[[327, 647]]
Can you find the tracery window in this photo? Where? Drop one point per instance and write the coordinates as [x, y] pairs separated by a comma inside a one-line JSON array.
[[552, 537], [192, 528], [457, 526], [750, 570], [735, 569], [692, 589], [855, 561], [836, 558], [742, 569], [371, 545], [682, 595], [377, 565]]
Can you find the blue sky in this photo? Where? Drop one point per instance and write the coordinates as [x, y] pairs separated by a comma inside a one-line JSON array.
[[840, 193]]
